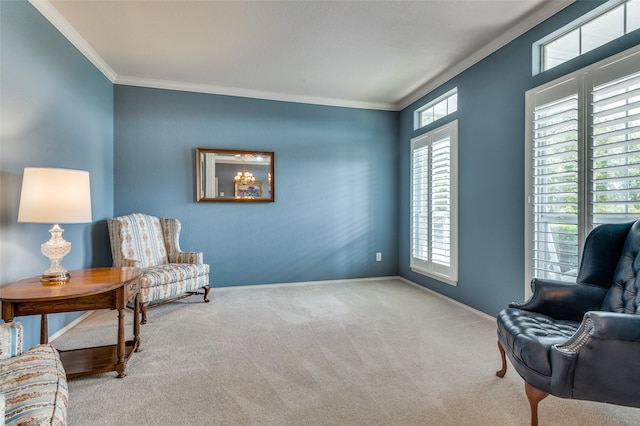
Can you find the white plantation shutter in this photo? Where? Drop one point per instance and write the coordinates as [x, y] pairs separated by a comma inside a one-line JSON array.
[[583, 161], [555, 188], [441, 201], [616, 150], [420, 210], [433, 203]]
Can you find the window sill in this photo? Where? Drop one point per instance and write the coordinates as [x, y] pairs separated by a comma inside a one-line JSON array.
[[444, 278]]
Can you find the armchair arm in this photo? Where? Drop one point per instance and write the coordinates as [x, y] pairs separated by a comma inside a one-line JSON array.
[[562, 300], [600, 361], [614, 326], [172, 229], [133, 263], [194, 257], [10, 339]]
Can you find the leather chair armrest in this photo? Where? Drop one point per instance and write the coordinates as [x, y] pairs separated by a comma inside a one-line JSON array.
[[600, 326], [599, 354], [614, 326], [194, 257], [562, 300]]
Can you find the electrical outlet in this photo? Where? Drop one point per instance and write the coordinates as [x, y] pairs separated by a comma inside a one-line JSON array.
[[378, 257]]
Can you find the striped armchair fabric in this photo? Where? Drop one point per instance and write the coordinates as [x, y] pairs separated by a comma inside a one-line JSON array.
[[10, 340], [33, 384], [152, 243]]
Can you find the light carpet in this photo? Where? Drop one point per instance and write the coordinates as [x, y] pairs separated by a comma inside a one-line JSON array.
[[361, 352]]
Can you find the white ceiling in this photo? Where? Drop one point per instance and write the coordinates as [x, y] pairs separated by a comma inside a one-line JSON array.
[[367, 54]]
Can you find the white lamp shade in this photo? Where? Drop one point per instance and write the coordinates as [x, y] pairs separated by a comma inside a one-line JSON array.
[[55, 196]]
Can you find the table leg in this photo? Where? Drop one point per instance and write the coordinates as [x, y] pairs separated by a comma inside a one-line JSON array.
[[122, 362], [136, 323], [44, 329]]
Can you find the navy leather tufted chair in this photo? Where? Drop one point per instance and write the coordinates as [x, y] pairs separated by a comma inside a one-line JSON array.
[[581, 340]]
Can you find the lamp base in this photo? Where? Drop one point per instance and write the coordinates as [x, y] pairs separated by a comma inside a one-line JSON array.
[[55, 249], [58, 278]]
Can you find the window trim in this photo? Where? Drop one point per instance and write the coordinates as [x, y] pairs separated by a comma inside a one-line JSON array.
[[447, 275], [417, 113], [583, 80], [538, 46]]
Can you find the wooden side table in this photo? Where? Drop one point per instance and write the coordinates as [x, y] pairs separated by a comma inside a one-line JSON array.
[[88, 289]]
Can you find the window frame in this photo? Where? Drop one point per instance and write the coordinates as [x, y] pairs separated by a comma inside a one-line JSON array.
[[417, 114], [447, 274], [583, 82], [538, 47]]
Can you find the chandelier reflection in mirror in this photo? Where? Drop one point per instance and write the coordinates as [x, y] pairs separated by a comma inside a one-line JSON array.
[[245, 178]]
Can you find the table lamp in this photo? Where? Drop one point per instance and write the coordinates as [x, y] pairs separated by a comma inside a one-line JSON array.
[[55, 196]]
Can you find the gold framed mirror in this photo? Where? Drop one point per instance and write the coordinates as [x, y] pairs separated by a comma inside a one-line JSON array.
[[231, 175]]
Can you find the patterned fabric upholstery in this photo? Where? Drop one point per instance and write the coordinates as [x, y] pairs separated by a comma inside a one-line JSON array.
[[152, 244], [33, 384], [172, 272], [137, 237], [173, 289], [171, 229], [10, 340]]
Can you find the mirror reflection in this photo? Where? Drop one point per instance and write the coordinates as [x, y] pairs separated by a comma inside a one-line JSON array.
[[234, 175]]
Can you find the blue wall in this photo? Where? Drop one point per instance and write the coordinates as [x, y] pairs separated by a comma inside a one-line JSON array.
[[56, 110], [335, 170], [491, 114]]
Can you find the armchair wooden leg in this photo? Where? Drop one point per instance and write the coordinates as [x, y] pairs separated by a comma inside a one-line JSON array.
[[207, 289], [503, 370], [143, 311], [535, 396]]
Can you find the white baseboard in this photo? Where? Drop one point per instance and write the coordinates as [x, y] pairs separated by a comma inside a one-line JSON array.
[[303, 283], [69, 326], [483, 314]]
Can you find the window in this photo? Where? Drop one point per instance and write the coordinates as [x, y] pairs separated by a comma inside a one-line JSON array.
[[608, 22], [583, 161], [437, 109], [434, 202]]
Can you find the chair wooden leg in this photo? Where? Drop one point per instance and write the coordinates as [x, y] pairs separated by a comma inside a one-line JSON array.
[[207, 289], [143, 311], [503, 370], [535, 396]]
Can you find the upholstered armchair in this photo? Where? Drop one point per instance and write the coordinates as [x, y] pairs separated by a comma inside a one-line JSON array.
[[33, 383], [581, 340], [151, 243]]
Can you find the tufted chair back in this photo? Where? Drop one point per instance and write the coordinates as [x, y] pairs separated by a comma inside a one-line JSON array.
[[624, 294]]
